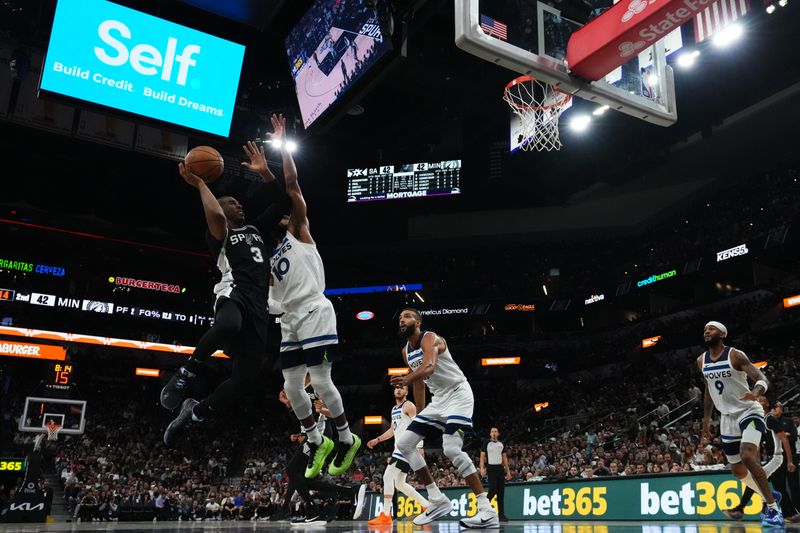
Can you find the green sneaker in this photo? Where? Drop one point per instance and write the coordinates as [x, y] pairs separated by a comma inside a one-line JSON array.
[[344, 456], [316, 459]]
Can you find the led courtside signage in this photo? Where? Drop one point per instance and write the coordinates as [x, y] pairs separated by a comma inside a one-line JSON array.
[[113, 56]]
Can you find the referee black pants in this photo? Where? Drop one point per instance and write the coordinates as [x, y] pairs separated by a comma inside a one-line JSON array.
[[497, 486]]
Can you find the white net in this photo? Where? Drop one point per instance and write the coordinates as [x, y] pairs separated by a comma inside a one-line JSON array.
[[52, 431], [538, 106]]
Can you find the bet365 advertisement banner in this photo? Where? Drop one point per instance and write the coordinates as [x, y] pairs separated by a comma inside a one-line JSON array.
[[668, 497]]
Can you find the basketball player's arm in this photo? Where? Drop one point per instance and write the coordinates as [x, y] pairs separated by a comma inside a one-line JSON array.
[[426, 367], [386, 435], [787, 451], [741, 362], [299, 213], [215, 216], [708, 405]]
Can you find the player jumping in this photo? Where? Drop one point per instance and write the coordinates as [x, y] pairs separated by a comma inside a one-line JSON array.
[[240, 309], [309, 343]]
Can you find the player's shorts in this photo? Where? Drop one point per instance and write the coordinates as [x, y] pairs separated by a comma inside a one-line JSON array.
[[252, 338], [308, 335], [745, 426], [400, 464], [447, 413]]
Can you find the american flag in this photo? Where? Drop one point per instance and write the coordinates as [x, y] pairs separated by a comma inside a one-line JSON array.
[[494, 28], [718, 15]]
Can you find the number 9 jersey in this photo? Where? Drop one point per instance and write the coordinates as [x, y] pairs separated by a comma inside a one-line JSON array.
[[726, 385]]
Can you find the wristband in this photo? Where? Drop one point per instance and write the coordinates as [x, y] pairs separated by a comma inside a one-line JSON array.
[[762, 383]]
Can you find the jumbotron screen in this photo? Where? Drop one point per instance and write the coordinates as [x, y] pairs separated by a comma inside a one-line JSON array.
[[330, 49], [415, 180]]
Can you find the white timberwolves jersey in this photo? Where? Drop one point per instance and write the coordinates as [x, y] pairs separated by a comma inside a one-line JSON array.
[[298, 276], [400, 420], [447, 375], [726, 385]]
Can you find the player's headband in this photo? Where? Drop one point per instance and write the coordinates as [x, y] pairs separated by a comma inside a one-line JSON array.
[[719, 325]]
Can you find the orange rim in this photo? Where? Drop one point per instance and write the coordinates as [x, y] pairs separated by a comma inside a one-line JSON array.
[[524, 79]]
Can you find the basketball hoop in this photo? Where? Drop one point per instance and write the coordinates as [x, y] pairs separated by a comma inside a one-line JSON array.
[[538, 106], [52, 430]]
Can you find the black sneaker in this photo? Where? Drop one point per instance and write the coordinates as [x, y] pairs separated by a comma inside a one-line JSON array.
[[331, 511], [176, 390], [175, 428], [279, 516]]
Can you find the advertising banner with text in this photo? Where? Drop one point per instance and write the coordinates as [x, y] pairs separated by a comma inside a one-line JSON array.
[[691, 496]]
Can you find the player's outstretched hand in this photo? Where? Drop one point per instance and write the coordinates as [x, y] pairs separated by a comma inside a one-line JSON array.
[[278, 128], [188, 176], [258, 161], [371, 444]]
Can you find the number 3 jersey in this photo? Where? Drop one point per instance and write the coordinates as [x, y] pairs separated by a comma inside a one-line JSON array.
[[726, 385], [298, 275], [242, 259]]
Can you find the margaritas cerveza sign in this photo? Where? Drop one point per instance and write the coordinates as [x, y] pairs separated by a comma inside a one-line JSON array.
[[24, 266], [695, 496], [110, 55]]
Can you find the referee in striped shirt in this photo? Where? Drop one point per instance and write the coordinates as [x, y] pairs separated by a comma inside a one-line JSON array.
[[493, 453]]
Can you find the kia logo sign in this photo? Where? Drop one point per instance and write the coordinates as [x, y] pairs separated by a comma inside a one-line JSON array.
[[365, 315]]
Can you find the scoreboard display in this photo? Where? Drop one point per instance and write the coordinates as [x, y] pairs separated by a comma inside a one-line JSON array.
[[415, 180]]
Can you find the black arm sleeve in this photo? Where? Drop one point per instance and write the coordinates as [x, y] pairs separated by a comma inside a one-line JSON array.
[[281, 205]]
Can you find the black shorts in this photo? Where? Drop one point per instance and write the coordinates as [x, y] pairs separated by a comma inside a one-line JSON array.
[[252, 338], [401, 465], [311, 356]]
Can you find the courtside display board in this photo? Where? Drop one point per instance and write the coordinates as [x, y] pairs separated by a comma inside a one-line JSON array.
[[112, 56], [389, 182], [335, 43]]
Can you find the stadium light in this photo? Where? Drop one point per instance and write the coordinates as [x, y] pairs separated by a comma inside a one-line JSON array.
[[580, 123], [687, 59], [770, 9], [600, 110], [652, 79], [728, 35], [291, 146], [783, 3]]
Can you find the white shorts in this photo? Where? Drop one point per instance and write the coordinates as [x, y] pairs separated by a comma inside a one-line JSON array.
[[310, 326], [745, 426], [447, 413]]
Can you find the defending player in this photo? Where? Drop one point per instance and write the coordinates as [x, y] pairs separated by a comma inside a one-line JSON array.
[[240, 309], [449, 413], [742, 425], [309, 343], [398, 468]]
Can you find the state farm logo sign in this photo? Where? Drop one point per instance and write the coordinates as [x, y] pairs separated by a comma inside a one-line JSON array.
[[634, 8]]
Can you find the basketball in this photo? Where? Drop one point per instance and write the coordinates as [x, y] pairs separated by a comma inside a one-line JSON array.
[[205, 162]]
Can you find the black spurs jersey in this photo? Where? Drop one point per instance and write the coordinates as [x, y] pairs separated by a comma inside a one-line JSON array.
[[243, 259]]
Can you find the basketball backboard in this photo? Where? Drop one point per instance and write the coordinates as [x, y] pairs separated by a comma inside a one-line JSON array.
[[70, 414], [530, 37]]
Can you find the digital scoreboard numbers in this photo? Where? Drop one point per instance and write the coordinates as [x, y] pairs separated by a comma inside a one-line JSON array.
[[414, 180], [7, 295]]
